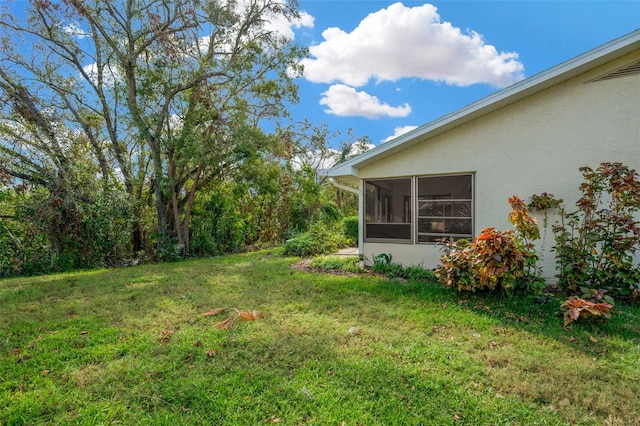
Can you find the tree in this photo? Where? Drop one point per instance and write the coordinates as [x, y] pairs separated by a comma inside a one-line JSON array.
[[39, 151], [157, 89], [310, 152]]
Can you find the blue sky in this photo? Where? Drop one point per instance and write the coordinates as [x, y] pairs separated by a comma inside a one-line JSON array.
[[381, 67]]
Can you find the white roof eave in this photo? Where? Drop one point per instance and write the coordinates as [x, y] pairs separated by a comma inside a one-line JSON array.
[[527, 87]]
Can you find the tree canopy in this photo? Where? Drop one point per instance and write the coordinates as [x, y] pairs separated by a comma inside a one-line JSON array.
[[160, 99]]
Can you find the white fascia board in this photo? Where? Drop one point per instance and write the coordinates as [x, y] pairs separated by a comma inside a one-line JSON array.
[[343, 169], [527, 87]]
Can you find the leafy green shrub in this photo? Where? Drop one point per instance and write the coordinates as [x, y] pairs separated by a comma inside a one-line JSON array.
[[596, 295], [337, 263], [330, 213], [383, 264], [381, 260], [320, 239], [596, 244], [494, 260], [43, 231], [350, 225], [218, 225], [305, 244], [418, 273], [543, 203]]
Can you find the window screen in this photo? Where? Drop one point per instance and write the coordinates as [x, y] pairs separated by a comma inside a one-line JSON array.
[[445, 207], [388, 209]]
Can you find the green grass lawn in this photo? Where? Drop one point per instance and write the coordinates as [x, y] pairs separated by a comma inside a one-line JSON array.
[[130, 346]]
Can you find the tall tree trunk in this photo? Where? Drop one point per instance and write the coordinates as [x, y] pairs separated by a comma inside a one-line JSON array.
[[191, 195], [161, 204], [175, 208], [176, 218], [136, 237]]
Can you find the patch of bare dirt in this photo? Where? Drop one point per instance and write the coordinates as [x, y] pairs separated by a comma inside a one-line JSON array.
[[303, 265]]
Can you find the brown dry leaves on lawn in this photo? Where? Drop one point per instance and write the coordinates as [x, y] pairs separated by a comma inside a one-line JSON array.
[[236, 314]]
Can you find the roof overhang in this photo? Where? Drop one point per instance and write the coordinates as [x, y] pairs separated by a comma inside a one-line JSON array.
[[601, 55]]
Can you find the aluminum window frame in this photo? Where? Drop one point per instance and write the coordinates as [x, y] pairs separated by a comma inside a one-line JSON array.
[[414, 205], [409, 240], [471, 217]]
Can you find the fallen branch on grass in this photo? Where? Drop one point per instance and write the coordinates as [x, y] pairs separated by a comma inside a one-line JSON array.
[[236, 315]]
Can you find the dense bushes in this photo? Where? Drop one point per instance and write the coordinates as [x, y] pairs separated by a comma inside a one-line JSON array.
[[494, 260], [320, 239], [325, 236], [350, 224], [596, 247], [596, 244], [261, 204], [329, 234], [48, 232]]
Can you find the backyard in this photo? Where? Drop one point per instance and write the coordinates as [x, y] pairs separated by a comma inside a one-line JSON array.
[[132, 346]]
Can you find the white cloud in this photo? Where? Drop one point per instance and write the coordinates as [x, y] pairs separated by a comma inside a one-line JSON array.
[[346, 101], [359, 148], [400, 42], [277, 22], [324, 160], [316, 159], [399, 131], [273, 23], [109, 76], [280, 25], [74, 29]]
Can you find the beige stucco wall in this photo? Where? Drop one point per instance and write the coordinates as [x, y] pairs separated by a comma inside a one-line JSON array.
[[535, 145]]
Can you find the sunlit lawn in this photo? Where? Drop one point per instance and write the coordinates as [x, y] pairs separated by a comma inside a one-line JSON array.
[[130, 346]]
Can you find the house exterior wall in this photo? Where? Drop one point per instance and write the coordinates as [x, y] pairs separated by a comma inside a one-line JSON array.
[[532, 146]]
